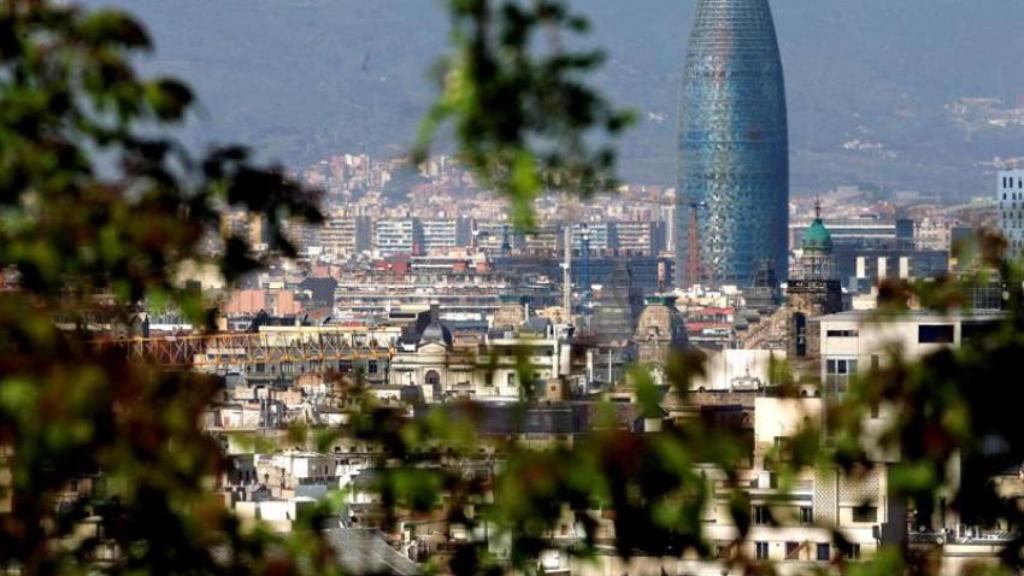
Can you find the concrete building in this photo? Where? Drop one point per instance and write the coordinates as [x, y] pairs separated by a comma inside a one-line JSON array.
[[792, 528], [861, 232], [402, 236], [492, 371], [600, 236], [1011, 209], [660, 332], [738, 371], [544, 240], [345, 235], [493, 238], [642, 238], [813, 291], [864, 270], [650, 274], [441, 235], [854, 342]]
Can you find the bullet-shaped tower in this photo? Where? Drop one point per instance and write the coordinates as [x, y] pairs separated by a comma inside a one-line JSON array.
[[733, 147]]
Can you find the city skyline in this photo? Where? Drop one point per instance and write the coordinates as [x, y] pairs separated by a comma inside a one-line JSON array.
[[878, 97], [487, 350]]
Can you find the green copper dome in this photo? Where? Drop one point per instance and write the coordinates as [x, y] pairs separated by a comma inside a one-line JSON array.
[[817, 238]]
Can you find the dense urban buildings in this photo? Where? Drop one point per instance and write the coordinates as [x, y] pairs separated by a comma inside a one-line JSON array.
[[414, 354], [733, 147], [431, 304]]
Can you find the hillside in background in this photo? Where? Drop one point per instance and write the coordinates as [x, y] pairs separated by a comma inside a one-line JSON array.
[[303, 79]]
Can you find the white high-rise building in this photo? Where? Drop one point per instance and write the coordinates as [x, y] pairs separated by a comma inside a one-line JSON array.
[[401, 236], [599, 234], [346, 235], [1011, 209], [443, 234]]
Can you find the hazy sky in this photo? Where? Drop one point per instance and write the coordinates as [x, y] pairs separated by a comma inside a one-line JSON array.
[[302, 79]]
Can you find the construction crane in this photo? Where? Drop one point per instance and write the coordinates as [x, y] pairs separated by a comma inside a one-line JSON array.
[[693, 264], [567, 274], [570, 209], [585, 293]]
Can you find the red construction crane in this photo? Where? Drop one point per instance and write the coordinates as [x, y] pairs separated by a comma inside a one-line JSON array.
[[693, 263]]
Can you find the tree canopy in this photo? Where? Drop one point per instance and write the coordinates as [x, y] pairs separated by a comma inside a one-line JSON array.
[[101, 209]]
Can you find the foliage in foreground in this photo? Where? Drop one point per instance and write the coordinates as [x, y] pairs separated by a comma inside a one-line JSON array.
[[99, 211]]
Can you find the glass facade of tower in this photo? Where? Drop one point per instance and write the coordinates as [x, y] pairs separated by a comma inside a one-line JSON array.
[[733, 145]]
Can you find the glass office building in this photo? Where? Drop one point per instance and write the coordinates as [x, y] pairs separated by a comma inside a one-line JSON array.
[[733, 146]]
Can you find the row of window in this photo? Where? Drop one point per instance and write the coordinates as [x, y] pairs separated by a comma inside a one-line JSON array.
[[762, 517], [289, 368], [1008, 182], [862, 514], [823, 551], [926, 334]]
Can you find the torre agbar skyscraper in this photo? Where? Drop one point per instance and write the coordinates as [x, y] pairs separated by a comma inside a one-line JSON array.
[[733, 146]]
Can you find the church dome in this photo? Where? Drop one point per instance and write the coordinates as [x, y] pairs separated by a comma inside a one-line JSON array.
[[436, 332], [660, 321], [817, 238]]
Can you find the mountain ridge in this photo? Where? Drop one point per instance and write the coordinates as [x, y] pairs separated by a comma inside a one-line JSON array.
[[304, 79]]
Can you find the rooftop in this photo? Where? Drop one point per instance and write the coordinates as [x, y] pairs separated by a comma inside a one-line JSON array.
[[914, 316]]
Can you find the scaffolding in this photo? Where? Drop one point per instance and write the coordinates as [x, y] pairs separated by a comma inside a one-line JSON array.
[[218, 352]]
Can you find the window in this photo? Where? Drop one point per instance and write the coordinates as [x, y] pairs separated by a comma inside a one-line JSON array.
[[793, 550], [806, 515], [432, 378], [761, 515], [510, 379], [824, 552], [935, 334], [800, 331], [837, 374], [723, 549], [784, 448], [973, 330], [761, 549], [841, 334], [371, 367], [853, 553], [865, 514]]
